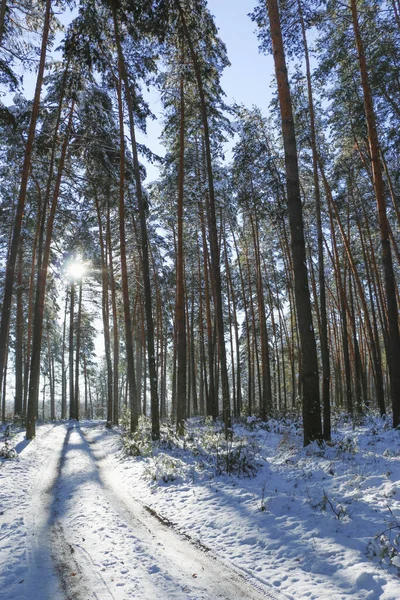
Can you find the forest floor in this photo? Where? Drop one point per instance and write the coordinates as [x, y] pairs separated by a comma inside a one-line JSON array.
[[200, 518]]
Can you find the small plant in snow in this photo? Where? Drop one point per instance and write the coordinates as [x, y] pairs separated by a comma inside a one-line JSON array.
[[385, 549], [265, 503], [165, 468], [7, 450], [233, 456], [139, 443], [386, 545]]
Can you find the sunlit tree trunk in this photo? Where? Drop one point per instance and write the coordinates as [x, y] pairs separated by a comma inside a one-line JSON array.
[[105, 313], [309, 362], [116, 394], [180, 286], [63, 366], [34, 373], [19, 339], [124, 269], [78, 353], [212, 230], [72, 409], [12, 257], [326, 403], [155, 409], [393, 358]]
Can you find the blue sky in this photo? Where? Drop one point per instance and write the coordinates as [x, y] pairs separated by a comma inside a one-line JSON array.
[[249, 77], [246, 81]]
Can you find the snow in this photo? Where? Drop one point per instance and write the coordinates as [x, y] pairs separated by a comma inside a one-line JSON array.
[[79, 518]]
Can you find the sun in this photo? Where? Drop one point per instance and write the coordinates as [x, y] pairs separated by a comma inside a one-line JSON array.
[[75, 270]]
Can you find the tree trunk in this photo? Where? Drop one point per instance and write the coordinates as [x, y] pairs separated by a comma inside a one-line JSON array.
[[155, 409], [72, 410], [78, 353], [124, 268], [212, 230], [34, 375], [393, 358], [105, 314], [19, 340], [63, 367], [114, 320], [180, 284], [326, 372], [12, 257], [309, 362]]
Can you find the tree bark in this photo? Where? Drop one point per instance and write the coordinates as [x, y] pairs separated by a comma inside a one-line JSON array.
[[212, 230], [122, 237], [12, 257], [326, 371], [155, 409], [393, 358], [34, 374], [309, 362], [180, 284]]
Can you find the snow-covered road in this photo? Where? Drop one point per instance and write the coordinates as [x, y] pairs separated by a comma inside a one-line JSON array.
[[85, 536]]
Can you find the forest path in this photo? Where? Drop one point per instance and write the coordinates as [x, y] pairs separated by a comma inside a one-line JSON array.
[[102, 544]]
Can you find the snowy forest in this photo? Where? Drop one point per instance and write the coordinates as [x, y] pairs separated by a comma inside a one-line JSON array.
[[226, 328], [266, 285]]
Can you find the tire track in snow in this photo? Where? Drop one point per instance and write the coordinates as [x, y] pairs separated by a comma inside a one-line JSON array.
[[28, 572], [172, 551]]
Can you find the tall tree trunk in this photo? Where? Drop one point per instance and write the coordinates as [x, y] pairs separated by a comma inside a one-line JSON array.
[[114, 320], [72, 410], [19, 339], [105, 314], [180, 284], [63, 366], [393, 358], [309, 362], [34, 374], [326, 374], [212, 229], [122, 237], [155, 409], [78, 352], [12, 257]]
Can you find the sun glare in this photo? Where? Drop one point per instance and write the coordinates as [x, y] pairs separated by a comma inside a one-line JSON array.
[[75, 270]]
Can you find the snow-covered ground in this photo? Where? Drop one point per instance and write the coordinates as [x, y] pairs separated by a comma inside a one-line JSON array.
[[80, 519]]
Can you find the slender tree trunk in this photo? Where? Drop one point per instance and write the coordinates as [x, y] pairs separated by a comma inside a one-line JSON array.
[[180, 285], [72, 409], [114, 320], [78, 352], [19, 339], [124, 268], [31, 307], [12, 257], [393, 357], [155, 409], [105, 314], [309, 362], [34, 375], [326, 403], [50, 361], [63, 367], [85, 376], [212, 229]]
